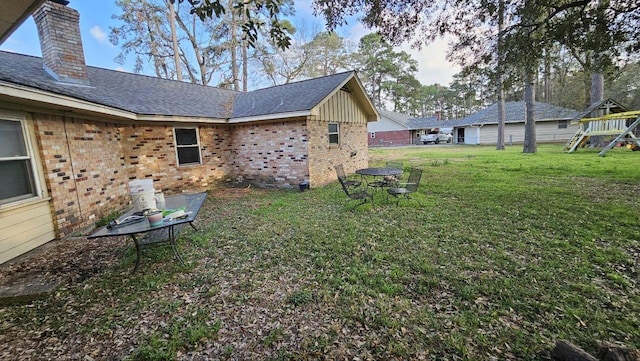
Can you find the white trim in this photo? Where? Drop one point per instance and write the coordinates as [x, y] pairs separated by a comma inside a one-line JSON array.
[[273, 116], [61, 101], [179, 119]]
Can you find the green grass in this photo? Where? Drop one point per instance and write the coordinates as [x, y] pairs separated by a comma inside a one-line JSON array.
[[510, 253]]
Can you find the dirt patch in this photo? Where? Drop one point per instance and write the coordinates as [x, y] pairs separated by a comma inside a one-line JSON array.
[[67, 261]]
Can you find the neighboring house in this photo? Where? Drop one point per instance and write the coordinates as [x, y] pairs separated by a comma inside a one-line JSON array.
[[72, 137], [397, 129], [552, 124]]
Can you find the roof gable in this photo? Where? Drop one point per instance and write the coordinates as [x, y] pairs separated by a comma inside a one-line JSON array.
[[607, 106], [293, 97]]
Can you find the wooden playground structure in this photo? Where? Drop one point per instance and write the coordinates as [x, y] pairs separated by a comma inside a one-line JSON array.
[[616, 121]]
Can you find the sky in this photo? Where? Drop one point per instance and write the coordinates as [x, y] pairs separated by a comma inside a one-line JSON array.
[[96, 20]]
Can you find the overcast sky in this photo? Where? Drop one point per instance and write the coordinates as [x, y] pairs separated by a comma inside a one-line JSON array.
[[96, 18]]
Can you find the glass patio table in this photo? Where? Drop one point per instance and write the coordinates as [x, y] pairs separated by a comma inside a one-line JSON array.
[[143, 233]]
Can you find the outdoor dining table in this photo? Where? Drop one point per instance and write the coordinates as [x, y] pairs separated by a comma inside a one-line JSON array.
[[143, 233], [377, 172]]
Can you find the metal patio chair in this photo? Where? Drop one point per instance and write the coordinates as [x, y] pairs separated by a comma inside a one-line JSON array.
[[343, 177], [355, 193], [403, 190]]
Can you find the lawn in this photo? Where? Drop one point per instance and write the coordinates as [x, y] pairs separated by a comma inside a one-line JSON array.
[[508, 253]]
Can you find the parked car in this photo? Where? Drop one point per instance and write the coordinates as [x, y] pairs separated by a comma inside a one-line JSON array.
[[436, 136]]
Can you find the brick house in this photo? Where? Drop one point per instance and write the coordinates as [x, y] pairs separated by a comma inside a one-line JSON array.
[[73, 136], [395, 128]]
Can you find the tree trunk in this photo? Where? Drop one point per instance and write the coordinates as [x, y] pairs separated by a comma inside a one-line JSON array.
[[597, 88], [234, 48], [565, 351], [245, 56], [501, 109], [611, 352], [547, 77], [200, 57], [529, 122], [597, 95], [174, 40]]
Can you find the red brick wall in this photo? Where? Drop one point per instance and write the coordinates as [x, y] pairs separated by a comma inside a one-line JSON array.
[[83, 168], [390, 138], [271, 153]]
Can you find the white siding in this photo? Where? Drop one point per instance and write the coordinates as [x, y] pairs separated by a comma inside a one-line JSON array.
[[25, 227], [471, 135], [26, 224], [546, 132]]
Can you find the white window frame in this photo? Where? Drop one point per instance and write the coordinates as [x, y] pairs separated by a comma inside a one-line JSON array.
[[336, 133], [30, 157], [175, 142]]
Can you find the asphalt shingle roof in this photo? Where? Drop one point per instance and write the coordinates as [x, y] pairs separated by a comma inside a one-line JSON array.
[[515, 113], [126, 91], [407, 121], [147, 95], [423, 123], [292, 97], [400, 118]]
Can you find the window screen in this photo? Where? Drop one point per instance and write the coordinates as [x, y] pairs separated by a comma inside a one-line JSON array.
[[15, 163], [333, 133], [187, 146]]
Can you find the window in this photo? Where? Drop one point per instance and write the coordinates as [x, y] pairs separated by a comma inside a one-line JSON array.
[[562, 124], [16, 162], [333, 133], [187, 145]]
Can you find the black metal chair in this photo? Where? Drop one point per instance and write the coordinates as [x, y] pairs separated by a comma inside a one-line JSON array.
[[394, 179], [403, 190], [341, 175], [355, 194]]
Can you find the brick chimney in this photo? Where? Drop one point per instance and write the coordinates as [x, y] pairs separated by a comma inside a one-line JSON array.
[[59, 33]]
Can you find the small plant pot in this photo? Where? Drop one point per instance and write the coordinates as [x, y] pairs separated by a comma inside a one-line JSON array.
[[154, 218]]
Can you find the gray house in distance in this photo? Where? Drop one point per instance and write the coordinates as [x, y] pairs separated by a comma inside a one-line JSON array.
[[553, 124]]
